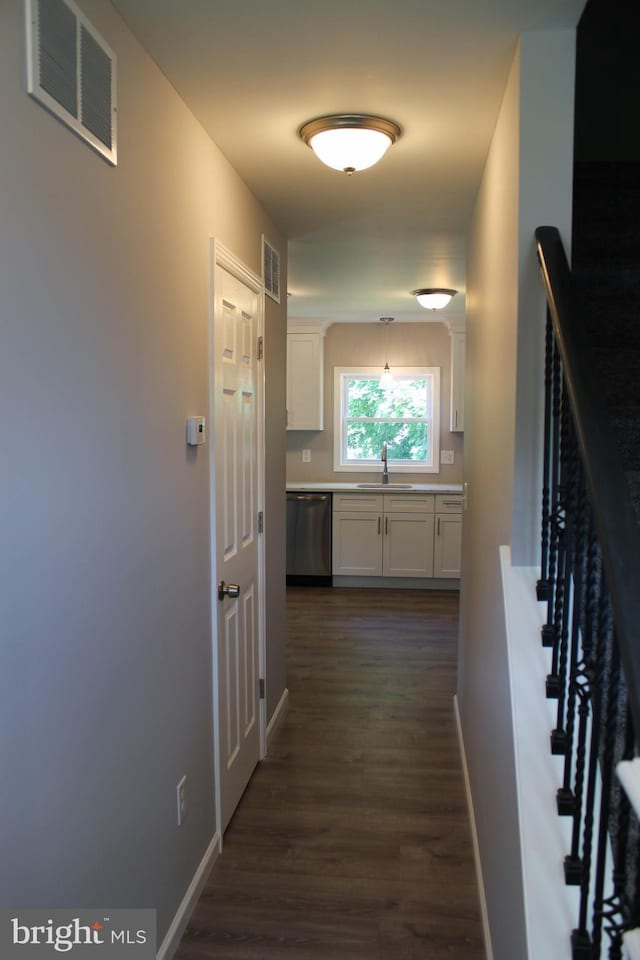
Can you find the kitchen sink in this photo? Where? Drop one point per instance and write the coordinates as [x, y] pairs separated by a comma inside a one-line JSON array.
[[385, 486]]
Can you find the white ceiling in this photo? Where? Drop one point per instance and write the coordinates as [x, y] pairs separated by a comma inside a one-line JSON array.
[[253, 71]]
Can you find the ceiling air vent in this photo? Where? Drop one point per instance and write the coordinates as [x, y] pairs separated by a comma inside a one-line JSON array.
[[72, 72], [271, 270]]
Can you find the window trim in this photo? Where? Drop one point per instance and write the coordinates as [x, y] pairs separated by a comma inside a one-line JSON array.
[[339, 464]]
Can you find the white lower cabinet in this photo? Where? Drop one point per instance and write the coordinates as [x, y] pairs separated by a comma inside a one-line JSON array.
[[390, 535], [448, 536], [356, 544], [407, 545], [447, 547]]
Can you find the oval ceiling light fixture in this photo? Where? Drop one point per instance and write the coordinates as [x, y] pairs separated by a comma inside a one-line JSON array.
[[349, 141], [433, 298]]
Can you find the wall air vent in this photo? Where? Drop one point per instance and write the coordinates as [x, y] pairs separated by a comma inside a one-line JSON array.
[[271, 270], [72, 72]]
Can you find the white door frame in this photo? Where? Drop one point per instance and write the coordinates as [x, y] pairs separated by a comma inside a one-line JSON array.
[[221, 256]]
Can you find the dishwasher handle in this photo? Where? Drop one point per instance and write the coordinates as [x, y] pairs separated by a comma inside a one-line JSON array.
[[322, 497]]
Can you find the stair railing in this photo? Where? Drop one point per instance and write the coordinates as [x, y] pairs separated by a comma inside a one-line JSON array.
[[590, 581]]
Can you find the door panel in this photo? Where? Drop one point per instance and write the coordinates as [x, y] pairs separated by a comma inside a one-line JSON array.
[[230, 672], [250, 654]]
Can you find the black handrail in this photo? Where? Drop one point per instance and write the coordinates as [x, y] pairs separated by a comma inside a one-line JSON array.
[[614, 513]]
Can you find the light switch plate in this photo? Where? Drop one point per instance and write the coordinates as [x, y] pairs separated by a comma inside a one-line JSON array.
[[306, 456], [446, 456]]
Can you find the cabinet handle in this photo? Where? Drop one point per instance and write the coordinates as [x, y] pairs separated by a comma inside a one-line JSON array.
[[438, 526], [379, 528], [456, 419], [386, 524]]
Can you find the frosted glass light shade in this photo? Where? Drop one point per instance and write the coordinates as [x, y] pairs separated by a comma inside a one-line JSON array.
[[433, 298], [349, 142], [386, 378], [350, 149]]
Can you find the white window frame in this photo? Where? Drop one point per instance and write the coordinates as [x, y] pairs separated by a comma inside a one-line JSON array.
[[340, 462]]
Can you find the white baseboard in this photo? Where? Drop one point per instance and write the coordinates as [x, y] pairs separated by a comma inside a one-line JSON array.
[[474, 835], [394, 583], [174, 933], [279, 715]]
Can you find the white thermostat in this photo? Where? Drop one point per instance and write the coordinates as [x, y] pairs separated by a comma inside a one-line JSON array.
[[196, 431]]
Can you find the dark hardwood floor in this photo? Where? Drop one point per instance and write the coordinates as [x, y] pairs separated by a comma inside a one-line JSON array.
[[352, 840]]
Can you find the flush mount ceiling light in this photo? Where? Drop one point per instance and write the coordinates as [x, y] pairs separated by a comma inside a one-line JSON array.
[[433, 298], [351, 141]]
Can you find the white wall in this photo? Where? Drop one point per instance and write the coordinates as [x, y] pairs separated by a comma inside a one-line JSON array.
[[105, 690], [483, 682], [545, 198], [405, 344], [527, 180]]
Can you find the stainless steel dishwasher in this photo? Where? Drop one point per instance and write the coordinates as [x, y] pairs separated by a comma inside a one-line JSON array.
[[309, 539]]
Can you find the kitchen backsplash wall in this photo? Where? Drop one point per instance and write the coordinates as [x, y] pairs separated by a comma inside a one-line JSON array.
[[408, 344]]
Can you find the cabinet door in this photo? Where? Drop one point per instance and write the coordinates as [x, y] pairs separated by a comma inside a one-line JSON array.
[[457, 382], [356, 544], [408, 545], [304, 381], [448, 542]]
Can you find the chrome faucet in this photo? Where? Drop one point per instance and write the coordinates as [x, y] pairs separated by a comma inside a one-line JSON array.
[[385, 469]]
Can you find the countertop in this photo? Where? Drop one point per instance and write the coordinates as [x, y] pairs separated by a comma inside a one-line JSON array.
[[333, 487]]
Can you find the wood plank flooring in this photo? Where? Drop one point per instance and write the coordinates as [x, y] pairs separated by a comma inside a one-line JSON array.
[[352, 840]]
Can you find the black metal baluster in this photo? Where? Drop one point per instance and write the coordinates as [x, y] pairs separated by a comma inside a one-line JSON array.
[[542, 587], [548, 630], [559, 739], [594, 658], [570, 801], [633, 906], [575, 498], [610, 730], [619, 832], [552, 683]]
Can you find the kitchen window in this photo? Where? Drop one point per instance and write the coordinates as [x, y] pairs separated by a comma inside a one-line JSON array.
[[405, 415]]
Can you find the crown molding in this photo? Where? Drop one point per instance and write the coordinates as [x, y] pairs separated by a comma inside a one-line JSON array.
[[308, 325]]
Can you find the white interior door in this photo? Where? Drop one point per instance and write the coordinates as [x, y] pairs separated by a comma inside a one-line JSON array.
[[237, 324]]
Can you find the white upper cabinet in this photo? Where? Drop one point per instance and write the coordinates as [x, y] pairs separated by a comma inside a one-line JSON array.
[[457, 380], [304, 379]]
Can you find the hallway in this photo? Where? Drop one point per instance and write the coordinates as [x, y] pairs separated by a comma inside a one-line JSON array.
[[352, 840]]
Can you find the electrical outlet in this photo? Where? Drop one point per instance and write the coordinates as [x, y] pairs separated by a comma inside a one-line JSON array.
[[446, 456], [181, 796], [306, 456]]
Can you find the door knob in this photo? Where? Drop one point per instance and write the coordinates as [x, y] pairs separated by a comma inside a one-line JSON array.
[[228, 590]]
